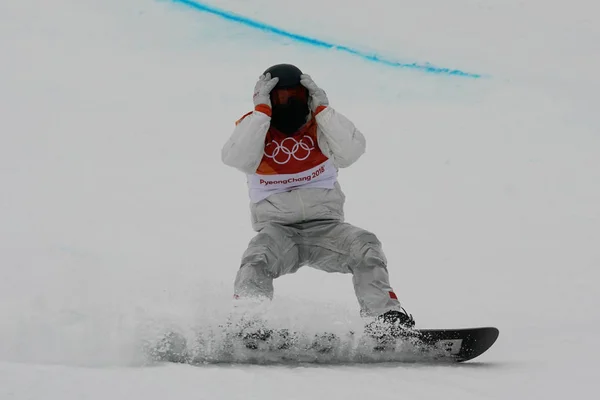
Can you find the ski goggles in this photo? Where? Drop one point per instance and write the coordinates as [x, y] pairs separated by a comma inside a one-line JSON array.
[[283, 95]]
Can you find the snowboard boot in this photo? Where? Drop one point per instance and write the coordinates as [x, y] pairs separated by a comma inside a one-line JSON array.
[[390, 327]]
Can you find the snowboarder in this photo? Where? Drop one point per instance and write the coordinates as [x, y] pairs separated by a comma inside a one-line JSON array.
[[291, 147]]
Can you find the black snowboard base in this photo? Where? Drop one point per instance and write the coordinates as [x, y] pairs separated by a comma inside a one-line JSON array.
[[430, 346]]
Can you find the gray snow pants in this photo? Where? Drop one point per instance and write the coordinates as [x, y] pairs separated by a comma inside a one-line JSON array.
[[328, 245]]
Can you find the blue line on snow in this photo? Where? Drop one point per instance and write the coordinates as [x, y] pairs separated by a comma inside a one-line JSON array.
[[426, 67]]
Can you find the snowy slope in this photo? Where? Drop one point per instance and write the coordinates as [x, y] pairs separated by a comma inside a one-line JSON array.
[[118, 219]]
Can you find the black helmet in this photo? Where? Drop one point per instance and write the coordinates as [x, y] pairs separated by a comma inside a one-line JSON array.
[[288, 74]]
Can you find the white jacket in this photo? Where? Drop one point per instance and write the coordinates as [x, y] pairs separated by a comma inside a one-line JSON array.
[[337, 138]]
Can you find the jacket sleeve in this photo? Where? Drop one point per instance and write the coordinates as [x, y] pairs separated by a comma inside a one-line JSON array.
[[338, 138], [244, 149]]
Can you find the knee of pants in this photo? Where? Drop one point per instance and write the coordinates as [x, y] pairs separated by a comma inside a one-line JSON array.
[[368, 252], [270, 253]]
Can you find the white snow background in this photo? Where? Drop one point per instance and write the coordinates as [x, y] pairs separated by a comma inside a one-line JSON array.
[[118, 219]]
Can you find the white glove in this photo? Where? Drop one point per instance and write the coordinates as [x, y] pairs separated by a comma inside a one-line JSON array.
[[263, 88], [318, 96]]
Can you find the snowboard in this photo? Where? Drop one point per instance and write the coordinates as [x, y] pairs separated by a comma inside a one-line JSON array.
[[458, 345], [430, 346]]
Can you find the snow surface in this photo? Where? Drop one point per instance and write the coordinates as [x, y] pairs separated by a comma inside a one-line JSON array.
[[118, 219]]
